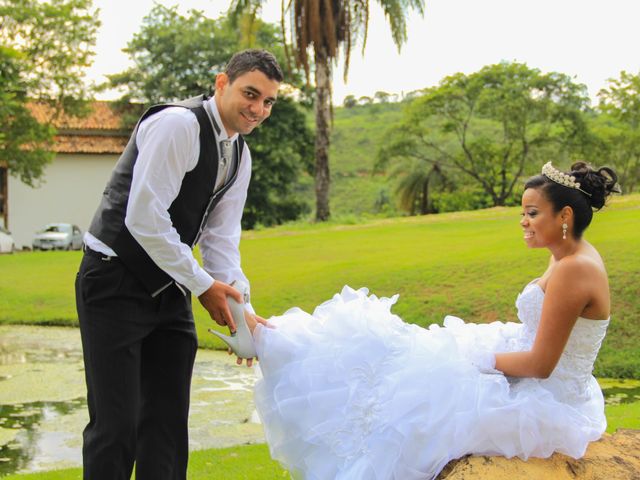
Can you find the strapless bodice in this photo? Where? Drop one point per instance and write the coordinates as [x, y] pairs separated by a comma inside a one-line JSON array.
[[576, 363]]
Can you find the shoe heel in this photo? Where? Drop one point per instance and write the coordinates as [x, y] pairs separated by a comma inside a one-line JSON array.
[[241, 342]]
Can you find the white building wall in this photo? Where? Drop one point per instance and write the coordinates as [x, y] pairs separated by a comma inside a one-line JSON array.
[[69, 192]]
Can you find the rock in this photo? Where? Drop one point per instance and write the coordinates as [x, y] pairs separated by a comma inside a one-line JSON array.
[[614, 457]]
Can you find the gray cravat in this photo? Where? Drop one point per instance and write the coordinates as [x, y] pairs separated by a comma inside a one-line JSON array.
[[226, 156], [226, 153]]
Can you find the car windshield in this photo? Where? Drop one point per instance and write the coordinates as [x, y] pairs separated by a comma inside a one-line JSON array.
[[56, 228]]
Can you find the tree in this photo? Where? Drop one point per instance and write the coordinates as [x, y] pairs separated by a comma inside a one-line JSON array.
[[619, 127], [349, 101], [417, 171], [45, 49], [280, 149], [319, 30], [412, 94], [177, 56], [417, 179], [491, 124], [382, 97], [24, 143]]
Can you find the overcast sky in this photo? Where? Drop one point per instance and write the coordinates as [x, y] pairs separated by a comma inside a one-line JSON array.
[[591, 40]]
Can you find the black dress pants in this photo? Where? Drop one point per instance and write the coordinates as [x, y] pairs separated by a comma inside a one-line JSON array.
[[138, 354]]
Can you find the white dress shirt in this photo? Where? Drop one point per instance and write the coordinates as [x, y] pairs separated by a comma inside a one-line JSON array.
[[168, 147]]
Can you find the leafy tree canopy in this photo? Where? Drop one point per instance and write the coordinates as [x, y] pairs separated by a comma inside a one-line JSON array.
[[45, 48], [280, 149], [621, 98], [177, 57], [23, 141], [349, 101], [491, 125], [319, 30], [618, 128]]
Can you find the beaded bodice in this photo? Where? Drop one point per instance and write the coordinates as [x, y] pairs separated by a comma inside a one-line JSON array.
[[573, 371]]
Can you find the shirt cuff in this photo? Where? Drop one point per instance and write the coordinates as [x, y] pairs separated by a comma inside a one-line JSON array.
[[249, 308], [200, 283]]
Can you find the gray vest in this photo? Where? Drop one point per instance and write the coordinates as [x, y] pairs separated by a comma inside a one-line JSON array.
[[188, 212]]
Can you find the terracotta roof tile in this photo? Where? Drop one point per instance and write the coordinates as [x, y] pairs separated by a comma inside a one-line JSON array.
[[100, 132], [103, 116], [89, 144]]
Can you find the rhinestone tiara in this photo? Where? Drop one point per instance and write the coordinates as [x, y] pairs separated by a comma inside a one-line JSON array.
[[561, 178]]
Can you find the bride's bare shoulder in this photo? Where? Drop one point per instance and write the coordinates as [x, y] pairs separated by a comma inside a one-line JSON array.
[[584, 266]]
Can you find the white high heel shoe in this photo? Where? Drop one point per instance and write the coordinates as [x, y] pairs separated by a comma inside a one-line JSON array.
[[240, 342]]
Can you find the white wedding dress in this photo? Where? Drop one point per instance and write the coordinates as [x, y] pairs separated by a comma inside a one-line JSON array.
[[353, 393]]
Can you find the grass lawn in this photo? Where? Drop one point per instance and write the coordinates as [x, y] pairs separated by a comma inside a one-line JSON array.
[[247, 462], [470, 264], [252, 462]]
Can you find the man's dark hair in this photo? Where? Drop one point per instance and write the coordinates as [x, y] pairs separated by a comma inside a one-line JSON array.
[[253, 59]]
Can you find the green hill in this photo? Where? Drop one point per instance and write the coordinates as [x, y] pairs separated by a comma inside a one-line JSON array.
[[357, 134]]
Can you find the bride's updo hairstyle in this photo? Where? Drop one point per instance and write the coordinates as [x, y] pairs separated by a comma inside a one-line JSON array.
[[585, 193]]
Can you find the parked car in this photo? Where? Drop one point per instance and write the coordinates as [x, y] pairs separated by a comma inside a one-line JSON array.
[[58, 236], [7, 245]]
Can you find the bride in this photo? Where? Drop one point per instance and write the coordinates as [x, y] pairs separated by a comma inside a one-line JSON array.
[[352, 392]]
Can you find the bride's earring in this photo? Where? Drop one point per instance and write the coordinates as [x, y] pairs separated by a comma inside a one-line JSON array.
[[564, 231]]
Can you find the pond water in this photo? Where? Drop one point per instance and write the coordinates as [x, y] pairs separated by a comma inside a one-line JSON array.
[[43, 406]]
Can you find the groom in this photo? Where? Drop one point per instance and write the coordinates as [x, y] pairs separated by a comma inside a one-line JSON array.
[[182, 180]]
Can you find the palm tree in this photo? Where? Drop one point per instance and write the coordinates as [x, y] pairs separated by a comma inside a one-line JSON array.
[[418, 173], [319, 31], [416, 179]]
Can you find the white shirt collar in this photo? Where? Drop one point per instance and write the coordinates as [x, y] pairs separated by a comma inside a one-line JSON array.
[[216, 115]]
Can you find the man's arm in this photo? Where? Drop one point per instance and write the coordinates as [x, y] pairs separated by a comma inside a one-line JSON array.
[[168, 146], [220, 240]]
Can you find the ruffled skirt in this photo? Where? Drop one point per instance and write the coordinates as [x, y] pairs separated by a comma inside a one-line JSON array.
[[352, 392]]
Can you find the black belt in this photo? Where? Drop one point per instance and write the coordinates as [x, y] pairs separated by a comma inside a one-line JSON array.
[[101, 256], [109, 258]]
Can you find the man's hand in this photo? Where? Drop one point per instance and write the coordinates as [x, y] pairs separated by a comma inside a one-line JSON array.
[[214, 300]]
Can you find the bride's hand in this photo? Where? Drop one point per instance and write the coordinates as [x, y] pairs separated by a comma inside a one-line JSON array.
[[483, 360], [252, 321]]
